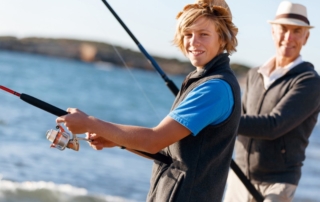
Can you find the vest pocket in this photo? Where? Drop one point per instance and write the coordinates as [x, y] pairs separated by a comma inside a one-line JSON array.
[[157, 170], [166, 185]]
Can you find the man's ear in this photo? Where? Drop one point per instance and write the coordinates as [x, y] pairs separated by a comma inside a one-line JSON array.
[[272, 31]]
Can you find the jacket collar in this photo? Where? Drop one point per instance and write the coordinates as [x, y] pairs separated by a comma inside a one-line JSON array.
[[216, 63], [302, 67]]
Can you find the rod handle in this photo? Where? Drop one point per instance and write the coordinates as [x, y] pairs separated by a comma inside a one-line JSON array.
[[173, 88], [43, 105]]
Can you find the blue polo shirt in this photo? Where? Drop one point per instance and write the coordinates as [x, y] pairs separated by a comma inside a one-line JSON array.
[[210, 103]]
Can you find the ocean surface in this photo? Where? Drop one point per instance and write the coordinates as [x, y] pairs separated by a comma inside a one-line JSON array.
[[31, 171]]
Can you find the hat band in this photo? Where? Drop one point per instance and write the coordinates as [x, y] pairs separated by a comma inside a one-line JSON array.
[[294, 16]]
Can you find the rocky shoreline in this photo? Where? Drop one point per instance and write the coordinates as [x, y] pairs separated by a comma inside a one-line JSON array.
[[91, 51]]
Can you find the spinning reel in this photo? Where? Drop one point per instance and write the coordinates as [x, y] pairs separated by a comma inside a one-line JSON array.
[[61, 139]]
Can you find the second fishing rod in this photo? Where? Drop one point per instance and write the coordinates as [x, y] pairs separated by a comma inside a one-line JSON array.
[[173, 88]]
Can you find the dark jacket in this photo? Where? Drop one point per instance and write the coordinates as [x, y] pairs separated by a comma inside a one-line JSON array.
[[276, 125], [200, 163]]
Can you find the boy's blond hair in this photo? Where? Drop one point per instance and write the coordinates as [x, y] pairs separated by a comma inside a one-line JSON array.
[[215, 10]]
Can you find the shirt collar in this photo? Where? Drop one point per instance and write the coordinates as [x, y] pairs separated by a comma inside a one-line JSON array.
[[277, 73], [264, 69]]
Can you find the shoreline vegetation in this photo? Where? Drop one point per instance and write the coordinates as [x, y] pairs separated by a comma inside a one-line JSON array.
[[92, 51]]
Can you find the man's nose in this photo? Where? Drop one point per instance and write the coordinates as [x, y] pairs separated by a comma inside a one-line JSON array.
[[289, 35]]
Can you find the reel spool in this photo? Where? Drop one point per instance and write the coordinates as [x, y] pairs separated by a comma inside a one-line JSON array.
[[61, 139]]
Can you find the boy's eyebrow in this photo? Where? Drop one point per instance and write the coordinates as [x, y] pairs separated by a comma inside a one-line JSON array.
[[188, 29]]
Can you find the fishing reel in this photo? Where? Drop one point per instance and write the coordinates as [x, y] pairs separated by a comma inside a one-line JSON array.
[[61, 139]]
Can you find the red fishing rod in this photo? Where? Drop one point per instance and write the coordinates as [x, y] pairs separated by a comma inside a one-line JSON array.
[[59, 112], [36, 102]]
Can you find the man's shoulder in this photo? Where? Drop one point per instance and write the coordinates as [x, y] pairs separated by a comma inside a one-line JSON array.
[[253, 72], [254, 69], [305, 69]]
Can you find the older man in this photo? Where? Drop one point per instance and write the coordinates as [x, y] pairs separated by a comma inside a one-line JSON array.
[[281, 103]]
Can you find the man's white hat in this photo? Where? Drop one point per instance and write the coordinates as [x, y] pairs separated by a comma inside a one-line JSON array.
[[291, 14]]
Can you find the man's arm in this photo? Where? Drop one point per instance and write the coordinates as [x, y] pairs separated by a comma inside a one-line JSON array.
[[302, 100]]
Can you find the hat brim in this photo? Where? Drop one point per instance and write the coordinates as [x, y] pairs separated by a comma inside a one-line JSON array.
[[287, 21]]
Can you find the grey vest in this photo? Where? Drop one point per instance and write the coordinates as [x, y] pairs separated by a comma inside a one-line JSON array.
[[200, 163]]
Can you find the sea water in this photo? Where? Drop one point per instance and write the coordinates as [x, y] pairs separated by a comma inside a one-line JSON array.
[[31, 171]]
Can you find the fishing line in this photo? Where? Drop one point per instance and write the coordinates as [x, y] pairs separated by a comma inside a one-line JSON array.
[[173, 88], [137, 83]]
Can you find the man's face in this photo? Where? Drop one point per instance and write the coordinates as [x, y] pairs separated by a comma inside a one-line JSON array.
[[289, 40]]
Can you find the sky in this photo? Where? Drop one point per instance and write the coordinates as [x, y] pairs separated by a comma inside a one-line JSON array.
[[153, 24]]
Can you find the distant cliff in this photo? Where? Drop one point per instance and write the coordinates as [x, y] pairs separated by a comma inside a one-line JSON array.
[[91, 51]]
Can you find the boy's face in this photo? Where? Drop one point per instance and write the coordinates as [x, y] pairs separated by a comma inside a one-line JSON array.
[[201, 42]]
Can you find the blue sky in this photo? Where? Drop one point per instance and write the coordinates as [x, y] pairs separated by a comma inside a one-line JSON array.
[[152, 22]]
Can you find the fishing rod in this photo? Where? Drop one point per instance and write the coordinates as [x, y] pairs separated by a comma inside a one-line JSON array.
[[36, 102], [175, 91], [60, 138], [168, 82]]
